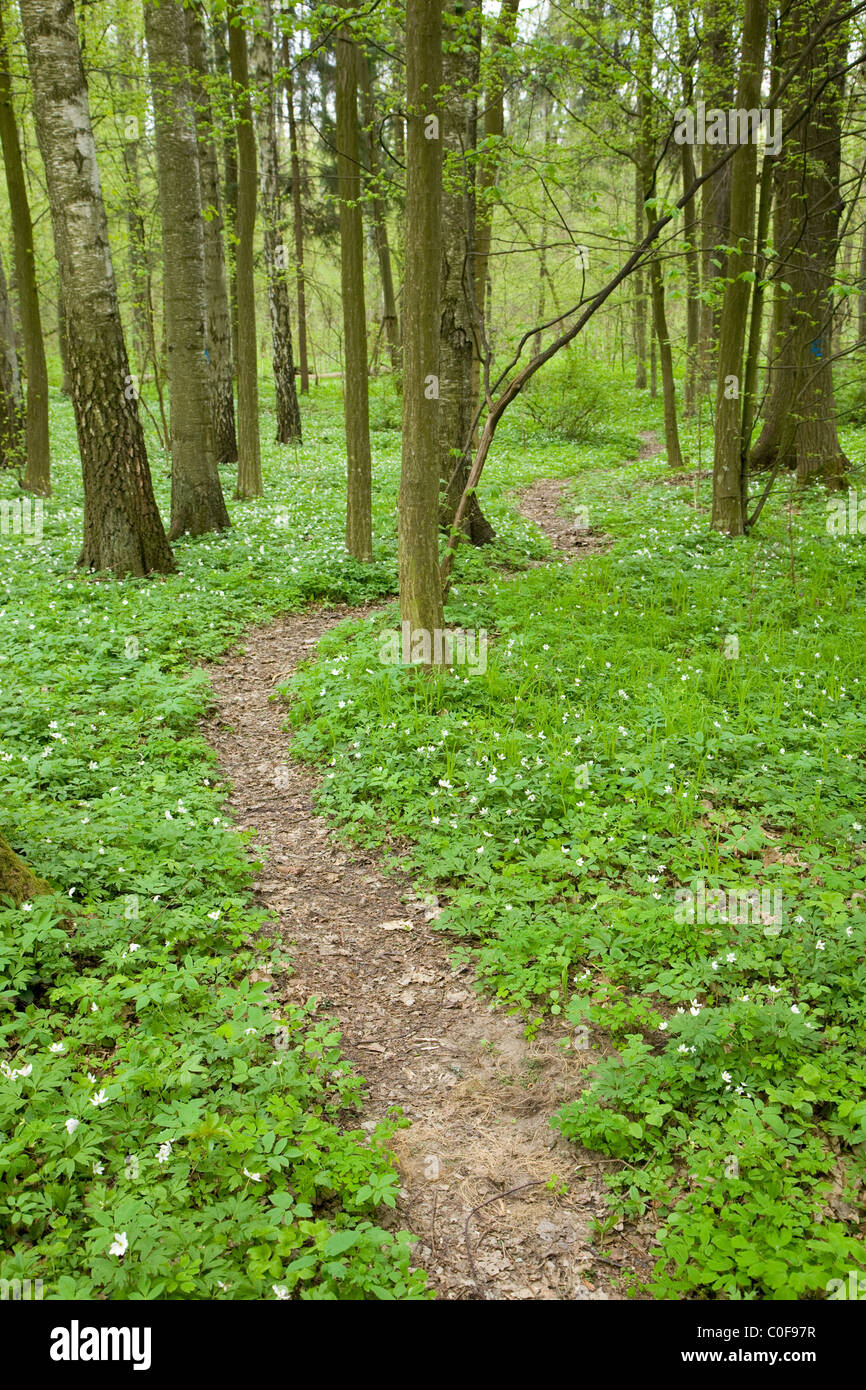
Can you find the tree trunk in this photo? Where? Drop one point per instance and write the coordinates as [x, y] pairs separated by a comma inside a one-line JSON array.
[[359, 524], [645, 98], [297, 220], [639, 301], [123, 531], [665, 360], [418, 524], [717, 80], [457, 399], [63, 344], [276, 257], [197, 503], [730, 495], [140, 270], [37, 474], [230, 182], [249, 449], [17, 880], [378, 213], [690, 228], [488, 168], [219, 330], [143, 337], [800, 422], [12, 438]]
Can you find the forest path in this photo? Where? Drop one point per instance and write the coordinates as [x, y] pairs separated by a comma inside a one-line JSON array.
[[543, 502], [475, 1162]]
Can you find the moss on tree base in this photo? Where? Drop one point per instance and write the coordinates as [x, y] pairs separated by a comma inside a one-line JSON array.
[[16, 879]]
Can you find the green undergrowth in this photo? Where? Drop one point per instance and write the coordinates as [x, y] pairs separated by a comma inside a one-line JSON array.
[[163, 1134], [165, 1130], [680, 714]]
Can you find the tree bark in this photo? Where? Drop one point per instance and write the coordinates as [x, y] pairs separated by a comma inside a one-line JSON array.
[[800, 421], [197, 503], [276, 257], [690, 228], [359, 524], [219, 329], [457, 397], [229, 152], [640, 377], [657, 292], [297, 220], [140, 269], [717, 80], [123, 531], [488, 168], [418, 523], [378, 214], [143, 337], [13, 452], [37, 473], [730, 494], [249, 448], [63, 344]]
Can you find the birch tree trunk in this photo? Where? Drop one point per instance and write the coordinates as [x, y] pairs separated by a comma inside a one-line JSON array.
[[123, 531]]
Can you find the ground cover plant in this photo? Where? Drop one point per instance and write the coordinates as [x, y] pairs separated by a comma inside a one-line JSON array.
[[669, 713], [433, 541], [164, 1135]]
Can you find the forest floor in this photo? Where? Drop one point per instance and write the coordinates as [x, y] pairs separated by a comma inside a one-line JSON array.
[[479, 895], [500, 1204]]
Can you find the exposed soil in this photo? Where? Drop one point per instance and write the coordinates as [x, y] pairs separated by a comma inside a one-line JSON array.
[[543, 501], [649, 444], [475, 1162]]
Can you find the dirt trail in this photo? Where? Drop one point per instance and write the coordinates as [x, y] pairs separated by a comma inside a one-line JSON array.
[[475, 1161], [570, 531], [542, 503]]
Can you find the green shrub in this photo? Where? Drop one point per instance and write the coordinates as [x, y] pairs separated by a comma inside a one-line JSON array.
[[566, 398]]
